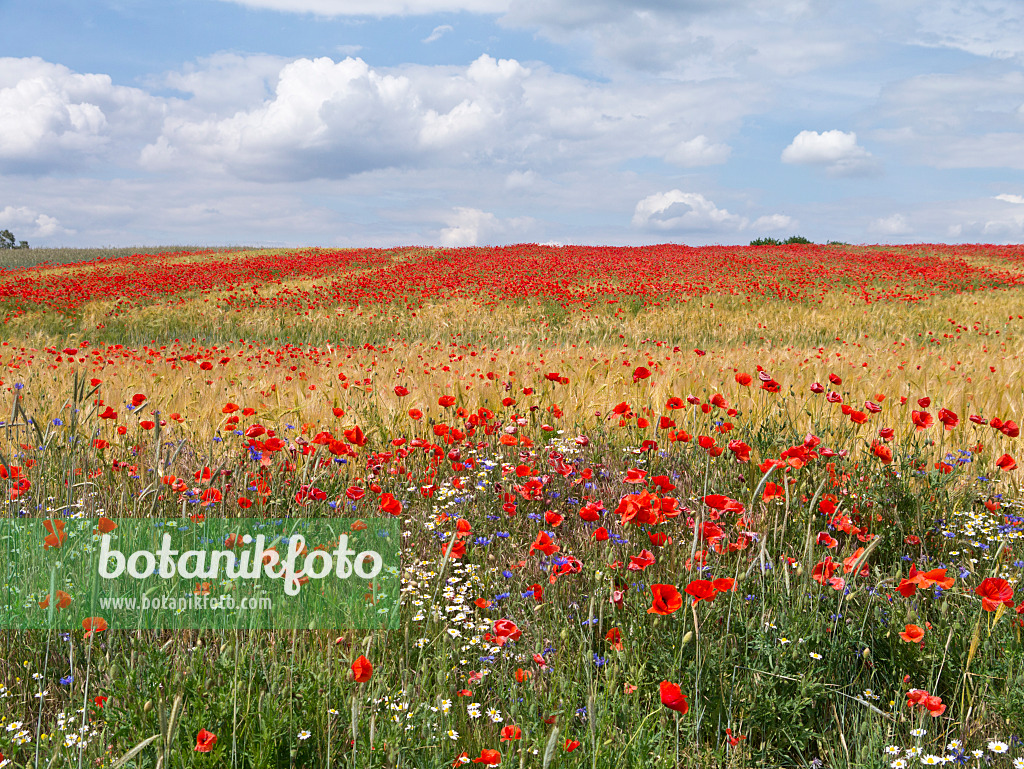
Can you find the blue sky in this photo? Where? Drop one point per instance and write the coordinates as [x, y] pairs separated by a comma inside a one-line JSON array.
[[465, 122]]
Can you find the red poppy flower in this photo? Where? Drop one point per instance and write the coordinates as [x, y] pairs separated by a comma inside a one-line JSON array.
[[544, 544], [400, 391], [948, 418], [994, 591], [205, 741], [390, 505], [673, 698], [642, 561], [666, 600], [511, 732], [824, 538], [921, 419], [640, 373], [823, 571], [912, 634], [488, 756], [506, 630], [1006, 463], [571, 745], [362, 670], [701, 590]]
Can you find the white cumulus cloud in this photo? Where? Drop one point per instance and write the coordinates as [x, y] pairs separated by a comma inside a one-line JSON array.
[[678, 210], [837, 151], [51, 116], [773, 222], [473, 227], [896, 224], [27, 223], [699, 151]]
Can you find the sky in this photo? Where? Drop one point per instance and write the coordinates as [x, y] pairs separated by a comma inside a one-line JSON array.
[[486, 122]]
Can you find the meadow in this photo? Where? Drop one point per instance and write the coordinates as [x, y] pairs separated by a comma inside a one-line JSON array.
[[659, 506]]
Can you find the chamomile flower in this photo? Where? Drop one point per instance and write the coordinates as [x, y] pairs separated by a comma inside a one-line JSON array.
[[452, 735], [931, 760], [892, 750], [899, 763], [1018, 763], [304, 734], [815, 656], [998, 747], [918, 732]]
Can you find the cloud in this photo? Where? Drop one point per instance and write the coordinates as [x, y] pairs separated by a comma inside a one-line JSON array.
[[376, 7], [437, 33], [27, 223], [317, 118], [699, 151], [224, 83], [473, 227], [773, 222], [51, 117], [678, 210], [836, 150], [896, 224], [1018, 199]]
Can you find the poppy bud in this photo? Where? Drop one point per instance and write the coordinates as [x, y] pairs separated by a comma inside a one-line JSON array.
[[688, 637], [148, 706]]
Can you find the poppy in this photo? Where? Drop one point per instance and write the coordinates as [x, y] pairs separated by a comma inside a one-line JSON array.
[[1006, 463], [511, 732], [571, 745], [948, 418], [912, 634], [921, 419], [362, 670], [666, 600], [823, 571], [56, 536], [673, 698], [614, 638], [506, 630], [205, 741], [994, 591], [390, 505], [824, 538], [93, 625], [642, 561], [544, 544]]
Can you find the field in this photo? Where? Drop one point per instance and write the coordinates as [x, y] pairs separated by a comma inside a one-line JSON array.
[[659, 506]]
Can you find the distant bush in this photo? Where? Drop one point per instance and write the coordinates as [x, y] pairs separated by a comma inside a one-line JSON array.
[[836, 243], [797, 239], [766, 242]]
